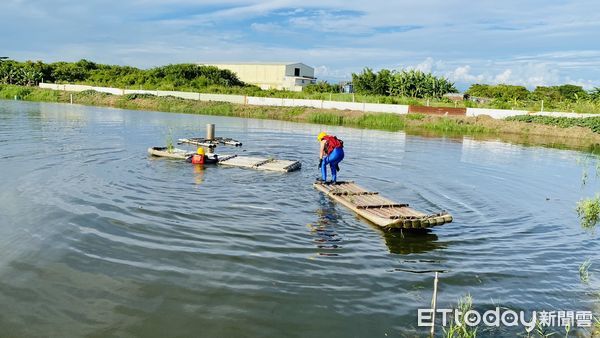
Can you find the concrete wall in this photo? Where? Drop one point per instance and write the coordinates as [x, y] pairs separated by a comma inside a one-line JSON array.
[[495, 113], [319, 104], [239, 99]]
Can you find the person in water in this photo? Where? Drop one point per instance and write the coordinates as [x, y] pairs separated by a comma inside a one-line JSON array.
[[201, 158], [331, 153]]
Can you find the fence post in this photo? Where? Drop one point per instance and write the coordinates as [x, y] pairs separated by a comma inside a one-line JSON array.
[[434, 304]]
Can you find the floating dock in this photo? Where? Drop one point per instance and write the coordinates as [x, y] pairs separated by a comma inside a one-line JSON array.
[[178, 154], [258, 163], [210, 143], [380, 210]]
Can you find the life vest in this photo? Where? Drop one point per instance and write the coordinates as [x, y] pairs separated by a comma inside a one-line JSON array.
[[332, 142], [198, 159]]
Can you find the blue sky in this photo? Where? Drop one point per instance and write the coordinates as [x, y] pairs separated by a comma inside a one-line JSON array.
[[518, 42]]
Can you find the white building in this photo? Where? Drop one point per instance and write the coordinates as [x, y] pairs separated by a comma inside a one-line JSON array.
[[283, 76]]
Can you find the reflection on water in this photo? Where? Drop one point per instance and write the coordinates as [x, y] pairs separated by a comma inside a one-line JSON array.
[[98, 239], [198, 173], [528, 140], [326, 238], [411, 242]]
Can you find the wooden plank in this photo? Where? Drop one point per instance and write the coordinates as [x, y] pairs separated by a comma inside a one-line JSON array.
[[381, 206], [348, 193]]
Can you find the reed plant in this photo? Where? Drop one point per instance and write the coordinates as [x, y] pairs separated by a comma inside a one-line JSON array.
[[459, 329], [584, 274]]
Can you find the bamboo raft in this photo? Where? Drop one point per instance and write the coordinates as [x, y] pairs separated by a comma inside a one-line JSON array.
[[380, 210], [258, 163]]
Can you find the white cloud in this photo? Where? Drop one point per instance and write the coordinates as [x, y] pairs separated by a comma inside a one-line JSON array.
[[426, 66], [497, 43], [503, 77]]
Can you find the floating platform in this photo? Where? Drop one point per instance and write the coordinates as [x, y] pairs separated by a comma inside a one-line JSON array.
[[210, 143], [380, 210], [258, 163], [178, 154]]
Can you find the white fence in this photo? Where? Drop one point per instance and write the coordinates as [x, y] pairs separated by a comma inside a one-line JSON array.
[[282, 102]]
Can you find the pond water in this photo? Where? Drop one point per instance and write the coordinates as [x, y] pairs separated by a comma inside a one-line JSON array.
[[97, 238]]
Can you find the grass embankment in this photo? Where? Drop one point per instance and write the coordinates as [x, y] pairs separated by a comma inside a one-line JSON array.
[[476, 127], [592, 123]]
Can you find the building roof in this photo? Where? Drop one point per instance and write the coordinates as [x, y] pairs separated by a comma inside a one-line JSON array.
[[251, 63]]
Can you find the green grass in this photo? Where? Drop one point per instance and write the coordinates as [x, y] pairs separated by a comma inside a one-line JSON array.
[[449, 125], [390, 122], [460, 329], [592, 123], [381, 121], [326, 118]]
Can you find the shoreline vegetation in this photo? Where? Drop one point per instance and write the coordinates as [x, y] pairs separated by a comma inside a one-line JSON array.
[[518, 130], [405, 87]]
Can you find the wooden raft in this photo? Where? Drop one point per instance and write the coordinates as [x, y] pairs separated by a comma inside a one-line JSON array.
[[259, 163], [380, 210]]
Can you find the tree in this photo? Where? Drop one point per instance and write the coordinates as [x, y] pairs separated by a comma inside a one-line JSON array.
[[321, 87], [412, 83], [364, 82], [500, 92]]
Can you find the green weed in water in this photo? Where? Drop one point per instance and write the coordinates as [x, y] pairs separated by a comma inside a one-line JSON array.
[[584, 273], [460, 329], [588, 210], [169, 141]]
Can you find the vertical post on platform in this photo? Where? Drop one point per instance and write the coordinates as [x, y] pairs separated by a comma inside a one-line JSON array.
[[71, 98], [542, 110], [210, 131]]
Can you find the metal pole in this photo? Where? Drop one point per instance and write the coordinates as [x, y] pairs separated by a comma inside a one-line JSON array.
[[434, 304], [542, 106], [71, 98], [210, 131]]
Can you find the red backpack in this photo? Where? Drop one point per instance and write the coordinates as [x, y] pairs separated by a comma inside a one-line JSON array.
[[332, 142]]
